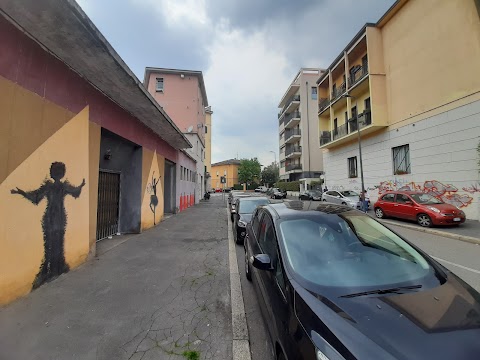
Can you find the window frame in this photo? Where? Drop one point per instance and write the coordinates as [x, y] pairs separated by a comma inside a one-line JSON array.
[[398, 169], [157, 89], [352, 160]]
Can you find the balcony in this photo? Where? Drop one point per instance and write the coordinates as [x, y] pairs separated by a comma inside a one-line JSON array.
[[291, 104], [293, 167], [358, 75], [336, 93], [292, 135], [292, 120], [346, 132], [340, 131], [325, 137], [323, 104], [292, 152]]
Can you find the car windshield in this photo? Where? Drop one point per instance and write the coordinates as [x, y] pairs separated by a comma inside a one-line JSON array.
[[349, 193], [425, 199], [248, 206], [350, 251], [315, 192]]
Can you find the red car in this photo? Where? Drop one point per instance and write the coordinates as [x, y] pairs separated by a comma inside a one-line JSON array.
[[425, 209]]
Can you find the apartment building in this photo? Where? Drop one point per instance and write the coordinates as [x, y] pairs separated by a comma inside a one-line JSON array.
[[208, 147], [299, 155], [227, 168], [410, 86], [182, 95]]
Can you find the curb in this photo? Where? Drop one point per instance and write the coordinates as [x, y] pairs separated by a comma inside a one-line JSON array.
[[469, 239], [241, 339]]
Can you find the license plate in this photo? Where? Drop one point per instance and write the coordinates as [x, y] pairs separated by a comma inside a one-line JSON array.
[[456, 219]]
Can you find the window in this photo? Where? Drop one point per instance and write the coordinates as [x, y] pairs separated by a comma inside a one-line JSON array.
[[335, 126], [225, 172], [388, 197], [217, 173], [352, 167], [206, 129], [314, 93], [181, 172], [346, 117], [401, 160], [354, 112], [334, 88], [256, 223], [367, 104], [401, 198], [365, 63], [159, 85]]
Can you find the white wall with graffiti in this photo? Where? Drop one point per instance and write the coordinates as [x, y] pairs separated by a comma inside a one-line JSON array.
[[443, 160]]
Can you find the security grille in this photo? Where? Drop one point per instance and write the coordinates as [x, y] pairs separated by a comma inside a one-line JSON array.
[[108, 204]]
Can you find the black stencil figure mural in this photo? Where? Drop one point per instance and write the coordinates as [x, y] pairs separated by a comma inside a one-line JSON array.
[[152, 187], [54, 221]]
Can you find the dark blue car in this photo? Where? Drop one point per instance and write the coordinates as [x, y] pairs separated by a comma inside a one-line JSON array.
[[333, 283]]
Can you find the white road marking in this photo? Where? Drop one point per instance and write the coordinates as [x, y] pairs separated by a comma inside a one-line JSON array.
[[456, 265]]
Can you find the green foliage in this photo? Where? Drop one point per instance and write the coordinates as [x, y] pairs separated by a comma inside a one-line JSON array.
[[270, 174], [249, 171], [237, 187], [191, 355], [289, 186], [316, 184], [252, 186]]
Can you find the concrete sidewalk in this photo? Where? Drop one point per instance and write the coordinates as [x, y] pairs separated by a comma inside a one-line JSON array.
[[163, 294]]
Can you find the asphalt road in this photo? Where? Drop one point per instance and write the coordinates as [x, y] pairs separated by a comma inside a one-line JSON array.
[[460, 257]]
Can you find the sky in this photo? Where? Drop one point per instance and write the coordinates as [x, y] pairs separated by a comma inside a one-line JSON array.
[[248, 50]]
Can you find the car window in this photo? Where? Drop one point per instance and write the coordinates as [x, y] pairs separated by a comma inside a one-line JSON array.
[[331, 193], [256, 223], [248, 206], [401, 198], [351, 251], [388, 197], [268, 244]]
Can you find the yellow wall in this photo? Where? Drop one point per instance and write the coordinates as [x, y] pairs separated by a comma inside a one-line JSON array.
[[431, 56], [232, 175], [153, 169], [94, 157], [34, 134]]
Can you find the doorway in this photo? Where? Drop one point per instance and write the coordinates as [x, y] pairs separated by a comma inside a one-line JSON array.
[[108, 204], [169, 187]]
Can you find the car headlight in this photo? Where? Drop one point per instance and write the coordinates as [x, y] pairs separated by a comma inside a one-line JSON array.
[[242, 224], [434, 209]]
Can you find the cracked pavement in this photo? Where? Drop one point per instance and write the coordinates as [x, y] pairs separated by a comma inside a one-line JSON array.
[[163, 294]]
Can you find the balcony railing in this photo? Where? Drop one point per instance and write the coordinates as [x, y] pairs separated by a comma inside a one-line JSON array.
[[289, 101], [294, 115], [291, 132], [339, 91], [292, 149], [364, 119], [340, 131], [291, 167], [325, 137], [323, 104], [358, 75]]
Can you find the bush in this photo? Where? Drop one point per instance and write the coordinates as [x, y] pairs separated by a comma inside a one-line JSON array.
[[237, 187], [289, 186], [252, 186], [317, 185]]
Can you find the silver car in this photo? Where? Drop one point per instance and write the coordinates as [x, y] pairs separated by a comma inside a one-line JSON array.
[[345, 197]]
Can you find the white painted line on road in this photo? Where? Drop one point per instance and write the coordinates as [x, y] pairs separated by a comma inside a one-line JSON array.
[[457, 265], [241, 341]]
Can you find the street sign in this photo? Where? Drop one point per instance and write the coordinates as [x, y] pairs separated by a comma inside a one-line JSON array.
[[223, 179]]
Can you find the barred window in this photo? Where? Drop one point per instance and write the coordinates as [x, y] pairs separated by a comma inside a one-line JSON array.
[[159, 85], [401, 160], [352, 167]]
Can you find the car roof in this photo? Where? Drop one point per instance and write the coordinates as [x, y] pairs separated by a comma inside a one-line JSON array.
[[295, 208]]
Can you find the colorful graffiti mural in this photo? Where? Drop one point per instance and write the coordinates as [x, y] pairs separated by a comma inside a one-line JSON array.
[[444, 192]]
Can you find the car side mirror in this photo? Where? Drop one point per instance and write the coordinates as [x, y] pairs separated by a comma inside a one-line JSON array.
[[408, 203], [262, 262]]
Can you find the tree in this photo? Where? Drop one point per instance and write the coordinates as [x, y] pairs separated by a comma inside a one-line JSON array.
[[249, 171], [270, 174]]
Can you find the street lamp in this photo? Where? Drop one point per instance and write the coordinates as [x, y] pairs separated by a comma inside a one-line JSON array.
[[275, 155], [347, 95]]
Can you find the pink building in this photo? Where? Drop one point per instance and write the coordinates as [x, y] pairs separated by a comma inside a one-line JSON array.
[[182, 95]]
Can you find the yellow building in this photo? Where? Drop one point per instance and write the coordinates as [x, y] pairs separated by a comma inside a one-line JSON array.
[[208, 147], [413, 80], [228, 168]]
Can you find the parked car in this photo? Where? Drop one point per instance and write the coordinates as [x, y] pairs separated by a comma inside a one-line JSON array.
[[311, 195], [232, 205], [262, 189], [423, 208], [276, 193], [334, 283], [244, 207], [345, 197]]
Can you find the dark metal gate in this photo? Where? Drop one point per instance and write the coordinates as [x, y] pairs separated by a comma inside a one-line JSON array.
[[108, 204]]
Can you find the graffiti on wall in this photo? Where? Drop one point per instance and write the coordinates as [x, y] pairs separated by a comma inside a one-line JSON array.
[[444, 192], [152, 189], [54, 221], [474, 188]]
